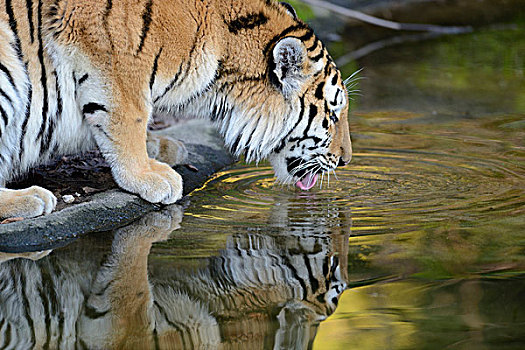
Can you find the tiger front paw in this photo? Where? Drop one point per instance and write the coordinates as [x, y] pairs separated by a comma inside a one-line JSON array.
[[166, 149], [26, 203], [156, 182]]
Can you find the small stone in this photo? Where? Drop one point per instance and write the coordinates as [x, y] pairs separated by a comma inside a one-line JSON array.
[[89, 190], [68, 198], [192, 167], [10, 220]]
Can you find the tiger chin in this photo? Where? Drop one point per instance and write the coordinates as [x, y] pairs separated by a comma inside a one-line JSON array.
[[75, 74]]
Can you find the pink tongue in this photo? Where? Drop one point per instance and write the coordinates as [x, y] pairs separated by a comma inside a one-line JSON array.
[[307, 182]]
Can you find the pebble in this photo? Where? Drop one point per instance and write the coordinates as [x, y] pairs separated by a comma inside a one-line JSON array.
[[68, 198]]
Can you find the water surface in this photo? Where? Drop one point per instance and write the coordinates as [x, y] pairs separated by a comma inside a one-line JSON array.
[[418, 243]]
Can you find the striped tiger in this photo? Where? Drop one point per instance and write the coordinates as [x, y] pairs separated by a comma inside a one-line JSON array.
[[261, 289], [80, 73]]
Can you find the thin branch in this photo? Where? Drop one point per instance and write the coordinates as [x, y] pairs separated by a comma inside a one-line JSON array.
[[401, 39], [385, 23], [381, 44]]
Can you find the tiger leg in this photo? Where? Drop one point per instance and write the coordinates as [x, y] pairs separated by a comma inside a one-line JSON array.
[[121, 292], [166, 149], [33, 201], [120, 132]]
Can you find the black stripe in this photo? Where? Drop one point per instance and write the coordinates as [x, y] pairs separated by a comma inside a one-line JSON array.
[[29, 5], [307, 36], [334, 102], [83, 344], [47, 321], [289, 265], [314, 283], [311, 115], [289, 8], [319, 91], [154, 70], [105, 16], [320, 298], [59, 97], [4, 116], [170, 322], [170, 85], [8, 335], [82, 79], [146, 21], [13, 25], [249, 21], [105, 289], [253, 132], [56, 20], [27, 307], [178, 327], [235, 144], [301, 113], [279, 36], [93, 107], [26, 119], [327, 69], [174, 81], [318, 56], [43, 75], [325, 123], [8, 75], [45, 142], [3, 343], [314, 46], [6, 96], [101, 129], [325, 268], [94, 314]]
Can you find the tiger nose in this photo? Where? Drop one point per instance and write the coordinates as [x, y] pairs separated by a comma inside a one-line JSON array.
[[343, 161]]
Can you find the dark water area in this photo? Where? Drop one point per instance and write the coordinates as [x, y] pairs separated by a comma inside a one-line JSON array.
[[419, 243]]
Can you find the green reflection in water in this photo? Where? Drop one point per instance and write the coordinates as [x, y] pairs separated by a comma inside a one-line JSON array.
[[436, 194], [458, 314], [467, 75], [426, 228]]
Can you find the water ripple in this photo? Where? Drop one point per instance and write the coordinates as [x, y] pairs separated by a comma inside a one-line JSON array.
[[382, 188]]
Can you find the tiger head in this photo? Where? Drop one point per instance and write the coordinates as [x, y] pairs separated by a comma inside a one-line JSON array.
[[319, 140], [278, 94]]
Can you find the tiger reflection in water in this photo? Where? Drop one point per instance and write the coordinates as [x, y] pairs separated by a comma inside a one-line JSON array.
[[261, 291]]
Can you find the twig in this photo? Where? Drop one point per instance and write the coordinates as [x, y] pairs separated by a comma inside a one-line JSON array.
[[400, 39], [381, 44], [385, 23]]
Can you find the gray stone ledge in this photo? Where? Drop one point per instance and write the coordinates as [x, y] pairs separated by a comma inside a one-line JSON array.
[[114, 208]]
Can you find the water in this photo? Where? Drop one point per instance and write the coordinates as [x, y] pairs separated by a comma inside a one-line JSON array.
[[419, 243]]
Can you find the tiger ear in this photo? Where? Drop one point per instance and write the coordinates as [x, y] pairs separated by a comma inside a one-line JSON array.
[[289, 57], [290, 9]]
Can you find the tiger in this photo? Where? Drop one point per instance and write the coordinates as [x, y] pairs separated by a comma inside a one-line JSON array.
[[104, 294], [75, 74]]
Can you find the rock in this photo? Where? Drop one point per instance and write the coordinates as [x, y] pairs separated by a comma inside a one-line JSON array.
[[113, 207], [68, 198]]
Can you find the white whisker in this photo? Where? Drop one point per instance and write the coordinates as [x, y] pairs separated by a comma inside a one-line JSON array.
[[353, 77], [335, 175]]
